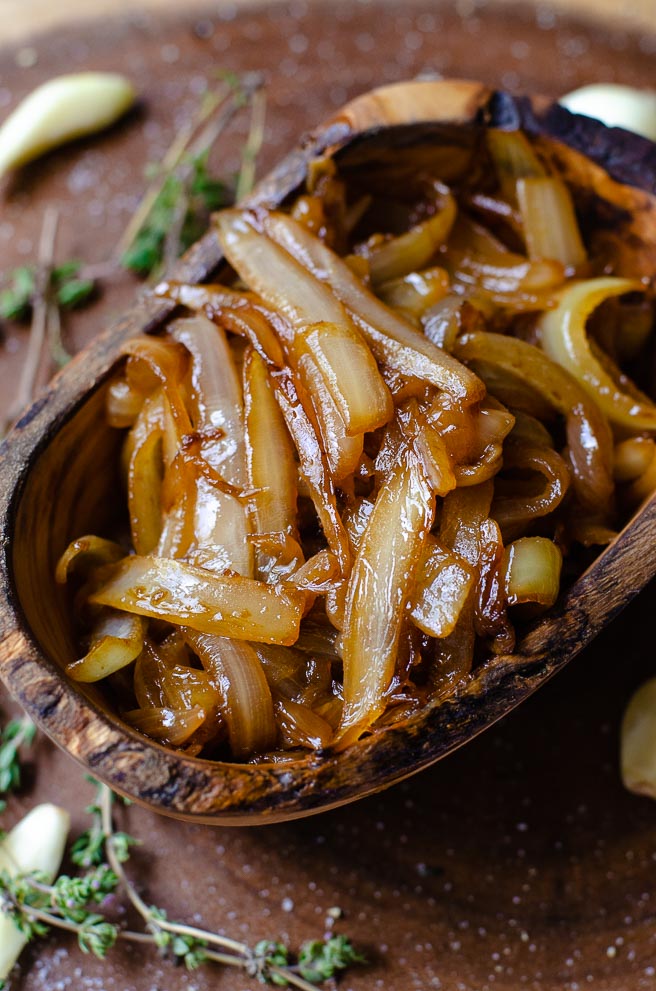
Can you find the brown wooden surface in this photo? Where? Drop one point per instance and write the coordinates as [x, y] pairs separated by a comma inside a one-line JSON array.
[[519, 861]]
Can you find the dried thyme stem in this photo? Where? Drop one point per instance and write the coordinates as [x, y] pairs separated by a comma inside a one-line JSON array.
[[38, 331], [174, 156], [240, 954], [253, 144]]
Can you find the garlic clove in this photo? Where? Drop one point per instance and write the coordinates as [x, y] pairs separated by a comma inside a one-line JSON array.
[[638, 741], [615, 106], [64, 108], [36, 843]]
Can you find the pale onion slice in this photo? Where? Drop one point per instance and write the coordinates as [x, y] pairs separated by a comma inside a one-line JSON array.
[[395, 257], [393, 341], [378, 590], [172, 726], [227, 605], [564, 339], [115, 641], [236, 312], [313, 466], [550, 226], [270, 458], [513, 157], [35, 844], [85, 553], [247, 706], [441, 591], [531, 567], [349, 373], [588, 434]]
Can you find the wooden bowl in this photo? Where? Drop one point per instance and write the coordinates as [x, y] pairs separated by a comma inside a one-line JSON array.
[[58, 479]]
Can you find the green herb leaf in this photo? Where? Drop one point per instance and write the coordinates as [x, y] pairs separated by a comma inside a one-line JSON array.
[[16, 299], [17, 733], [320, 960]]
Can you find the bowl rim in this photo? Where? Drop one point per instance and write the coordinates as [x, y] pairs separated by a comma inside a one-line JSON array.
[[173, 783]]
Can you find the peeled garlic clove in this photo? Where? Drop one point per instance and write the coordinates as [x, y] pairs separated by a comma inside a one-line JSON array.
[[638, 741], [616, 106], [64, 108], [36, 843]]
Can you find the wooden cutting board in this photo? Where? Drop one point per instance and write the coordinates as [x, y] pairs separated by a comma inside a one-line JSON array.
[[519, 862]]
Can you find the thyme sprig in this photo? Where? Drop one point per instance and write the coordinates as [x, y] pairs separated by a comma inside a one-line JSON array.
[[17, 735], [177, 205], [75, 904]]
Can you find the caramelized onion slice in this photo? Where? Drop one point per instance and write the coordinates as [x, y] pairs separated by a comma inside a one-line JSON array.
[[394, 341], [378, 591], [588, 434], [226, 605], [84, 554], [550, 225], [395, 257], [512, 509], [513, 157], [349, 373], [145, 475], [301, 727], [167, 361], [247, 705], [172, 726], [531, 568], [313, 466], [116, 640], [444, 582], [565, 340], [270, 453], [235, 312]]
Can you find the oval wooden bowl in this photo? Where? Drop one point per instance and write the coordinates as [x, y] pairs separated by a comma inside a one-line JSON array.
[[58, 480]]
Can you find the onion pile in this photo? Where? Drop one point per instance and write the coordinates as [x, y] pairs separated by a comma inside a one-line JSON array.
[[355, 465]]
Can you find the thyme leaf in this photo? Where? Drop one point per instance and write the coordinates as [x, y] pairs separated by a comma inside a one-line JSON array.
[[17, 734]]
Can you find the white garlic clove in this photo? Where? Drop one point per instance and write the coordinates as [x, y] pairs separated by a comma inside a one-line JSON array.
[[64, 108], [616, 106], [638, 741], [36, 843]]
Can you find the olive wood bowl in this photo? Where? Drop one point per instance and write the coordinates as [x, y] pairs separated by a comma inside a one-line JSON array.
[[58, 479]]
